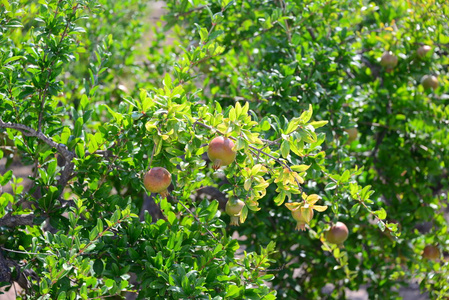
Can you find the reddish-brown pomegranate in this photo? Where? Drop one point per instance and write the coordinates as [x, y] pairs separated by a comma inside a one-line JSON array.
[[337, 234], [429, 81], [157, 180], [220, 152], [389, 61], [423, 50], [431, 252], [233, 209]]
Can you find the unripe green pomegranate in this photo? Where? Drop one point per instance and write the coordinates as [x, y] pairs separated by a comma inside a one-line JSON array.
[[352, 133], [389, 61], [220, 152], [302, 217], [233, 209], [337, 234], [429, 81], [423, 50], [157, 180], [431, 252]]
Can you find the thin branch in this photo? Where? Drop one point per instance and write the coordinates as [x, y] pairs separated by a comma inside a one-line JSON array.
[[198, 220], [177, 15], [23, 252]]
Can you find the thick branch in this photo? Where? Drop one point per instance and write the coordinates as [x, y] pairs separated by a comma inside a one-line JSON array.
[[61, 148], [28, 131], [16, 220]]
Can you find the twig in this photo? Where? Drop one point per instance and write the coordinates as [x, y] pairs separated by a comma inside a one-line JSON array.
[[23, 252], [197, 219]]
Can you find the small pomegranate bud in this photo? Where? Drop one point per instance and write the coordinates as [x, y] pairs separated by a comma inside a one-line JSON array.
[[233, 209], [157, 180], [429, 81], [302, 217], [220, 152], [431, 252], [389, 61], [423, 50], [337, 234]]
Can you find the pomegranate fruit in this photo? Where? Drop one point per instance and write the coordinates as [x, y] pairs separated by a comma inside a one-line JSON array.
[[423, 50], [302, 217], [352, 133], [389, 61], [233, 209], [429, 81], [337, 234], [431, 252], [157, 180], [220, 152]]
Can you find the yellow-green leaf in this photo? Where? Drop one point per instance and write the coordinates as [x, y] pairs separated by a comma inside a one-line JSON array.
[[318, 124], [320, 208], [300, 168]]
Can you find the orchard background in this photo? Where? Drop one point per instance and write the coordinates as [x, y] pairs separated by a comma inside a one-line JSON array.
[[327, 105]]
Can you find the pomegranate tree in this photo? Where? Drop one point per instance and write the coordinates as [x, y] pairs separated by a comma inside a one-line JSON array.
[[157, 180], [337, 234], [234, 209], [220, 152]]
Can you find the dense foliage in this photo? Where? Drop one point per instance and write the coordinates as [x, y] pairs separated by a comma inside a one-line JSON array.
[[324, 102]]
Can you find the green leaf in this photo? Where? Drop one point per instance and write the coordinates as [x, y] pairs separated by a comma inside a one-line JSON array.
[[167, 81], [330, 186], [11, 59], [232, 291], [280, 198], [365, 193], [381, 213], [78, 127], [243, 214], [204, 33], [354, 209], [62, 295], [381, 225], [93, 234], [306, 115], [293, 125], [345, 177], [285, 149], [6, 177]]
